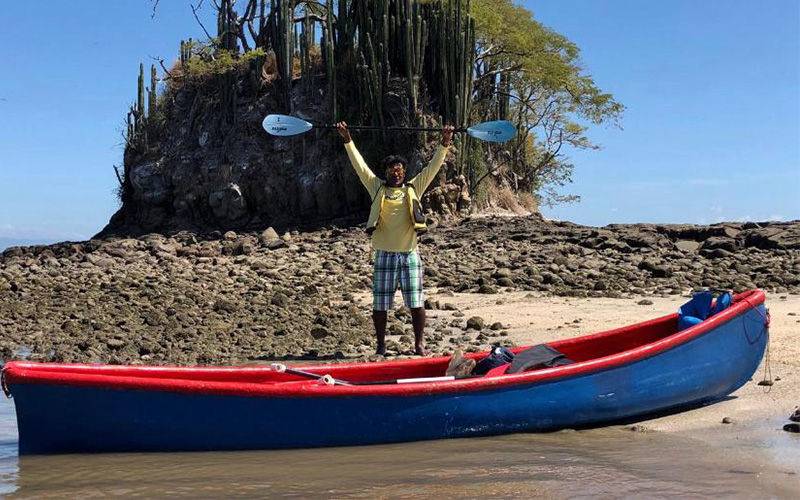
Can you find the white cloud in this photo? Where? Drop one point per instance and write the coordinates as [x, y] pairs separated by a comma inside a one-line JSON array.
[[11, 231], [7, 230]]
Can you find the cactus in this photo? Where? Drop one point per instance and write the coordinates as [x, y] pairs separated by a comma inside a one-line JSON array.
[[330, 65], [285, 46], [227, 88], [226, 30], [140, 97], [152, 97], [136, 138]]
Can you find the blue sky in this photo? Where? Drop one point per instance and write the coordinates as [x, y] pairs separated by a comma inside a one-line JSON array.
[[711, 131], [712, 126]]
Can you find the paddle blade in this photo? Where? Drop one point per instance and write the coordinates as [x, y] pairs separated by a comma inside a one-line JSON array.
[[499, 131], [283, 126]]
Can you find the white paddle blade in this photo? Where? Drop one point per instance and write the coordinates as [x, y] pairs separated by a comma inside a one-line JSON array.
[[284, 126], [499, 131]]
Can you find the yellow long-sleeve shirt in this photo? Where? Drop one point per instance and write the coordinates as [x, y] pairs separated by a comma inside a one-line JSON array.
[[395, 230]]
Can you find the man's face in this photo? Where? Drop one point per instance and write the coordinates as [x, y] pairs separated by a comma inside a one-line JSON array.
[[395, 175]]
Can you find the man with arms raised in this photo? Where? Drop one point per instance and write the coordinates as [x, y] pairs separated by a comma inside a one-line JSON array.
[[395, 219]]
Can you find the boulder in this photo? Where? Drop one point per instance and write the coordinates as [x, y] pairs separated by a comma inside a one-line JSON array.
[[228, 204], [150, 187]]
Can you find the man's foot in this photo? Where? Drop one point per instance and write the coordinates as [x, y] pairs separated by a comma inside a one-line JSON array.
[[420, 350], [381, 350]]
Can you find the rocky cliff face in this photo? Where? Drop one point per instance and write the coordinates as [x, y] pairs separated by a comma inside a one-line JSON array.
[[231, 298], [201, 172]]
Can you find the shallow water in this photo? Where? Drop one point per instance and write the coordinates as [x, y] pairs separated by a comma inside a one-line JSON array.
[[609, 462]]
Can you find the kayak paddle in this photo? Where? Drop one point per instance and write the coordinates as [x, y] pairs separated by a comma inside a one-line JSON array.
[[328, 380], [323, 379], [285, 126]]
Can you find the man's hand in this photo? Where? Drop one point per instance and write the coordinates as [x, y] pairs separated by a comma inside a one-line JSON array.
[[447, 135], [342, 128]]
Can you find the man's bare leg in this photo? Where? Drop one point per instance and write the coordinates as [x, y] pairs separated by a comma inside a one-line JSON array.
[[379, 319], [418, 319]]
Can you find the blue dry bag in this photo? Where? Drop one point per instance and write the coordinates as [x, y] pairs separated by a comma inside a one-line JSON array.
[[699, 308]]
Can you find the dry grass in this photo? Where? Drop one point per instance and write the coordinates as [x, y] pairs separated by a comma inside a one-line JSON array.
[[529, 201], [269, 70], [176, 75], [315, 54], [502, 197]]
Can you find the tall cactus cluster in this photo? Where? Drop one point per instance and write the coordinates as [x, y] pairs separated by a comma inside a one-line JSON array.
[[281, 39], [226, 26], [141, 113], [452, 54], [375, 54], [328, 54], [429, 45], [367, 46], [186, 52], [367, 43]]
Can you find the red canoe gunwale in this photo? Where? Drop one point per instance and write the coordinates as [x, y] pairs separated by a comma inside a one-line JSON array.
[[144, 378]]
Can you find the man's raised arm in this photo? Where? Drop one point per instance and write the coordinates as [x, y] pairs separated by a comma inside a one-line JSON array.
[[365, 175], [424, 178]]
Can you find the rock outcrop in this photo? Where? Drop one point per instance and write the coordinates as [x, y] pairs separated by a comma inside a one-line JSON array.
[[222, 298]]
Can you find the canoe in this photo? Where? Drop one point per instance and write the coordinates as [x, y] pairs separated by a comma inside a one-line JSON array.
[[622, 374]]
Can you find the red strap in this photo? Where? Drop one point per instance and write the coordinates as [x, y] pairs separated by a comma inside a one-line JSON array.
[[500, 370]]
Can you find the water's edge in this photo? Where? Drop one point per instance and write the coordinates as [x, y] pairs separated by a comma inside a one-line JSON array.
[[610, 462]]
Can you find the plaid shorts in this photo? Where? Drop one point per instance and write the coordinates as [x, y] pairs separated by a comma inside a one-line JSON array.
[[392, 269]]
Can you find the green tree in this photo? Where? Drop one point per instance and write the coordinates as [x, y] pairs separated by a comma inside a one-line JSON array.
[[527, 73]]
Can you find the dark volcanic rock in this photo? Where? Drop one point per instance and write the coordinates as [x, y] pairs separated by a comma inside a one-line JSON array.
[[475, 322], [194, 298]]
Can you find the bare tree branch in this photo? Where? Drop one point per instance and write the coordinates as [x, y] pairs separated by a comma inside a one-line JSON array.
[[161, 63], [194, 11], [496, 72], [119, 177]]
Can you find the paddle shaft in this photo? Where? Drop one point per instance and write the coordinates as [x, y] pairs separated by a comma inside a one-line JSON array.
[[316, 376], [391, 129], [416, 380], [313, 375]]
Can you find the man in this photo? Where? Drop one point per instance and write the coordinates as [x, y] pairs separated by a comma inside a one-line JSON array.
[[395, 218]]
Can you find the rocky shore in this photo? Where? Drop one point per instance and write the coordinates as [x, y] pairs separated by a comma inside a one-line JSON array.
[[248, 298]]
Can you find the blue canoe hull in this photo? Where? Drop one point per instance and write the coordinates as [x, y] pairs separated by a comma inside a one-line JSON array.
[[62, 418]]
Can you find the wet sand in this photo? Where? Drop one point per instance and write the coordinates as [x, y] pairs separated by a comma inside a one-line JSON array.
[[609, 462]]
